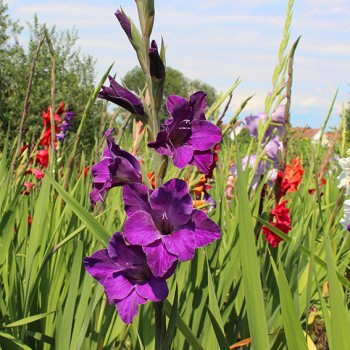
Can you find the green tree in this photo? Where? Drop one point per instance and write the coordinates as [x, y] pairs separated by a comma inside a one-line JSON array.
[[74, 77]]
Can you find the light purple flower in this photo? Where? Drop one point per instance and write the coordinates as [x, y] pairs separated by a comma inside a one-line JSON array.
[[253, 121], [61, 137], [187, 136], [165, 224], [124, 22], [125, 276], [157, 68], [250, 161], [122, 97], [272, 148], [116, 168]]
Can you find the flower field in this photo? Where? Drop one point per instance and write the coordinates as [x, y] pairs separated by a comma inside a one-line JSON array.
[[174, 233]]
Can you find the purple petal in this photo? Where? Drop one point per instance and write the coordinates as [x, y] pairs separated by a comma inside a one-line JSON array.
[[125, 255], [253, 123], [172, 202], [156, 289], [204, 135], [135, 198], [181, 243], [100, 171], [99, 265], [278, 115], [122, 97], [182, 156], [206, 230], [122, 171], [124, 22], [140, 229], [158, 258], [272, 148], [160, 144], [128, 307], [198, 102], [69, 115], [202, 160], [96, 196], [117, 287], [178, 108]]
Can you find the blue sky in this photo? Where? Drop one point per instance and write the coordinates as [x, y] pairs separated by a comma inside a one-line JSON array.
[[219, 41]]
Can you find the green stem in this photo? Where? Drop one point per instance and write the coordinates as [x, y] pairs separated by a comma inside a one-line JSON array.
[[160, 327]]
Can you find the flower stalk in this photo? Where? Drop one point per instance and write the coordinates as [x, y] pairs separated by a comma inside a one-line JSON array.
[[160, 325]]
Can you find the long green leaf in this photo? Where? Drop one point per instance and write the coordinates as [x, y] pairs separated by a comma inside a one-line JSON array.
[[183, 328], [340, 322], [29, 319], [304, 250], [250, 266], [97, 229], [294, 333]]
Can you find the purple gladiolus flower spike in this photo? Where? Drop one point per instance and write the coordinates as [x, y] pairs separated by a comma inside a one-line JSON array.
[[122, 97], [124, 22], [165, 224], [116, 168], [125, 276], [187, 136]]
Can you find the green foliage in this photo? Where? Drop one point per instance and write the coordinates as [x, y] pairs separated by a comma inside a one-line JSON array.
[[74, 79]]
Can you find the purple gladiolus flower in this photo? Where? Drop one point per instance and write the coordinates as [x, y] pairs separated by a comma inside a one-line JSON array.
[[122, 97], [272, 148], [157, 68], [65, 126], [125, 276], [277, 118], [165, 224], [187, 136], [116, 168], [61, 137], [124, 22], [69, 115]]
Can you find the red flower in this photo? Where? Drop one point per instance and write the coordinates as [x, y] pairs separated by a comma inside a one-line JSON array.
[[30, 220], [291, 177], [282, 221], [294, 174], [213, 165], [36, 172], [47, 118], [321, 183], [28, 186], [86, 171], [152, 179], [24, 148], [42, 157]]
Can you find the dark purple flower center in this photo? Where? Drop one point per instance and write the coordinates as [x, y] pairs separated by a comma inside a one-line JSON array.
[[181, 132], [137, 273], [348, 227], [164, 224]]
